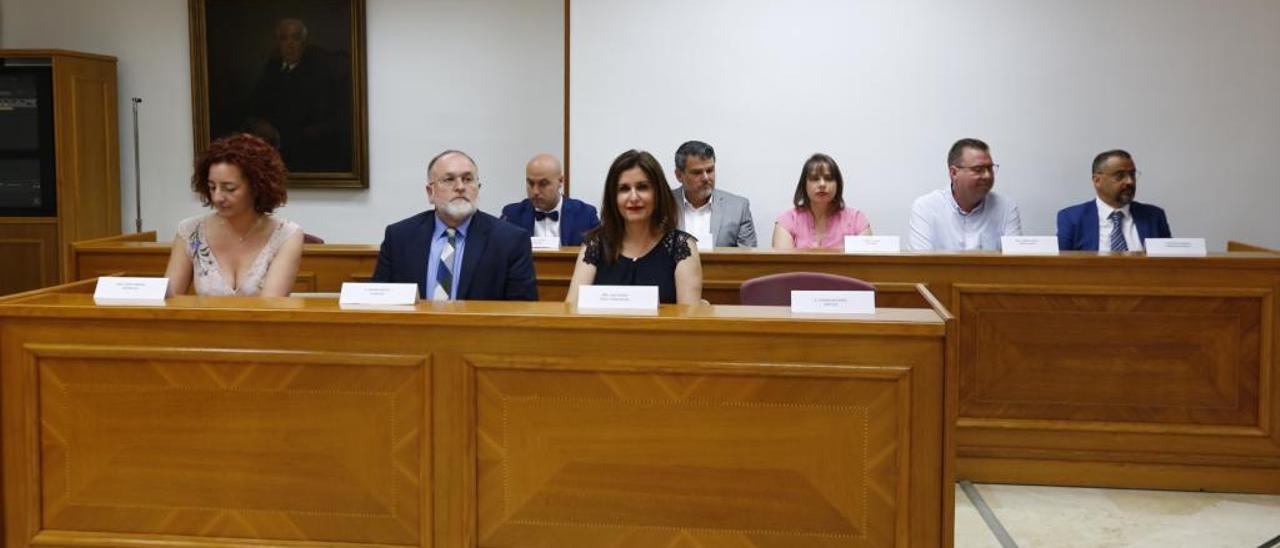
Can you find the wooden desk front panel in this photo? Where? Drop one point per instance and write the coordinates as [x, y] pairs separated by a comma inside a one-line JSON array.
[[182, 430], [1164, 371], [209, 442], [1159, 386]]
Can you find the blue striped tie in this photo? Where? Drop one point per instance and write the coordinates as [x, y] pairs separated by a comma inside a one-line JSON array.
[[1117, 233], [444, 270]]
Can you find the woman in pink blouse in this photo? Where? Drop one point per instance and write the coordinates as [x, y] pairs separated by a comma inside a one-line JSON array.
[[820, 218]]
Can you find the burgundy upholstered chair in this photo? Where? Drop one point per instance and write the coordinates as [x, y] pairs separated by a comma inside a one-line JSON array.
[[775, 289]]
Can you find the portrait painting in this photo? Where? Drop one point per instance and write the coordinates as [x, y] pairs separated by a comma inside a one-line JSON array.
[[290, 72]]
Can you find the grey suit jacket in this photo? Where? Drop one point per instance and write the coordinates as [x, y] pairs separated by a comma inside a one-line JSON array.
[[730, 218]]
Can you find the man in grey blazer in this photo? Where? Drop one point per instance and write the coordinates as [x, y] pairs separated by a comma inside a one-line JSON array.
[[705, 208]]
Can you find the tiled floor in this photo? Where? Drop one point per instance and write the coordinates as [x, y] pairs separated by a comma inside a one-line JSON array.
[[1067, 517]]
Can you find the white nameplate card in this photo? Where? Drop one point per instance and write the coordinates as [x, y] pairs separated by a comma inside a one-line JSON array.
[[139, 291], [1176, 247], [833, 302], [1029, 245], [618, 297], [872, 245], [378, 294], [546, 242], [706, 242]]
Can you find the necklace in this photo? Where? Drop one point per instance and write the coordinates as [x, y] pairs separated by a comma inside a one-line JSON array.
[[247, 233]]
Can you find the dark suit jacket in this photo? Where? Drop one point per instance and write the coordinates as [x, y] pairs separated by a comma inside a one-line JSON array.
[[576, 218], [310, 109], [497, 262], [1078, 225]]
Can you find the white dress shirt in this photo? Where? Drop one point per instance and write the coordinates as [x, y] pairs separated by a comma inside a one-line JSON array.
[[1127, 227], [938, 223], [546, 227], [696, 220]]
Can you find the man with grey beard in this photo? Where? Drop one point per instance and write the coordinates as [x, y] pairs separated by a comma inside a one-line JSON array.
[[455, 251]]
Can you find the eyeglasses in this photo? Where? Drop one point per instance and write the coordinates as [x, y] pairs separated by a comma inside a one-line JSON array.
[[452, 181], [979, 170], [1122, 175]]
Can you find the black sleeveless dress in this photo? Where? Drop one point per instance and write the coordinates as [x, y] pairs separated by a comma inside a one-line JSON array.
[[657, 267]]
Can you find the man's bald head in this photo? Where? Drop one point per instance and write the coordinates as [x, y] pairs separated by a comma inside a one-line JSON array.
[[544, 179]]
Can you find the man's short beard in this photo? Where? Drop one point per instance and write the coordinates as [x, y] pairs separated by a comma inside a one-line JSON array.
[[458, 209]]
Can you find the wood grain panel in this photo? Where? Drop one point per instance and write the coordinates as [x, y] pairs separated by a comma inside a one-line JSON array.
[[719, 460], [266, 422], [32, 252], [1124, 357], [231, 444], [1233, 245], [1119, 386], [29, 251], [88, 155], [1200, 390]]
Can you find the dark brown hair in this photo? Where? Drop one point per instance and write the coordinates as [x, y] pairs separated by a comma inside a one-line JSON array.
[[666, 216], [957, 150], [260, 165], [811, 165]]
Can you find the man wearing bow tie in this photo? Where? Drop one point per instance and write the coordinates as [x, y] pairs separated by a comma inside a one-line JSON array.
[[545, 212]]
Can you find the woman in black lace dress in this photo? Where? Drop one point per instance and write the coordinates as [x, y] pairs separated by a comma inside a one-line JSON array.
[[638, 242]]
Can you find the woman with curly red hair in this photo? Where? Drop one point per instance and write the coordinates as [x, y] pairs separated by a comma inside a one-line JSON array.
[[240, 248]]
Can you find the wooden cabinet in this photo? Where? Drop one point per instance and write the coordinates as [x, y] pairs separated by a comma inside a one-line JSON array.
[[36, 250], [29, 251]]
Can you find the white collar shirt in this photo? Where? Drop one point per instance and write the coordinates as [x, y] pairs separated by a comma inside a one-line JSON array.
[[938, 224], [696, 220], [547, 228], [1127, 227]]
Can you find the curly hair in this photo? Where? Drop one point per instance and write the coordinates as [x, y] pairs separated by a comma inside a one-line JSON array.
[[259, 163]]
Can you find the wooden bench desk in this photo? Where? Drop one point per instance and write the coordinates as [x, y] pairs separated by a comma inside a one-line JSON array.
[[226, 421], [1078, 369]]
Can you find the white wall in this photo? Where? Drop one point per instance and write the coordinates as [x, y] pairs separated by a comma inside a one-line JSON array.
[[1190, 87], [484, 76]]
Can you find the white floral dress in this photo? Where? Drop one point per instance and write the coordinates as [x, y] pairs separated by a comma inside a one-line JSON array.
[[206, 274]]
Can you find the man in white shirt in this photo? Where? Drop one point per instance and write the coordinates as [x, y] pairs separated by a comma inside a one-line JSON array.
[[1112, 221], [548, 213], [705, 209], [966, 215]]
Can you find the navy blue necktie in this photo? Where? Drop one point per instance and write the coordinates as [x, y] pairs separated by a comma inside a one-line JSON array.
[[444, 270], [539, 215], [1117, 232]]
